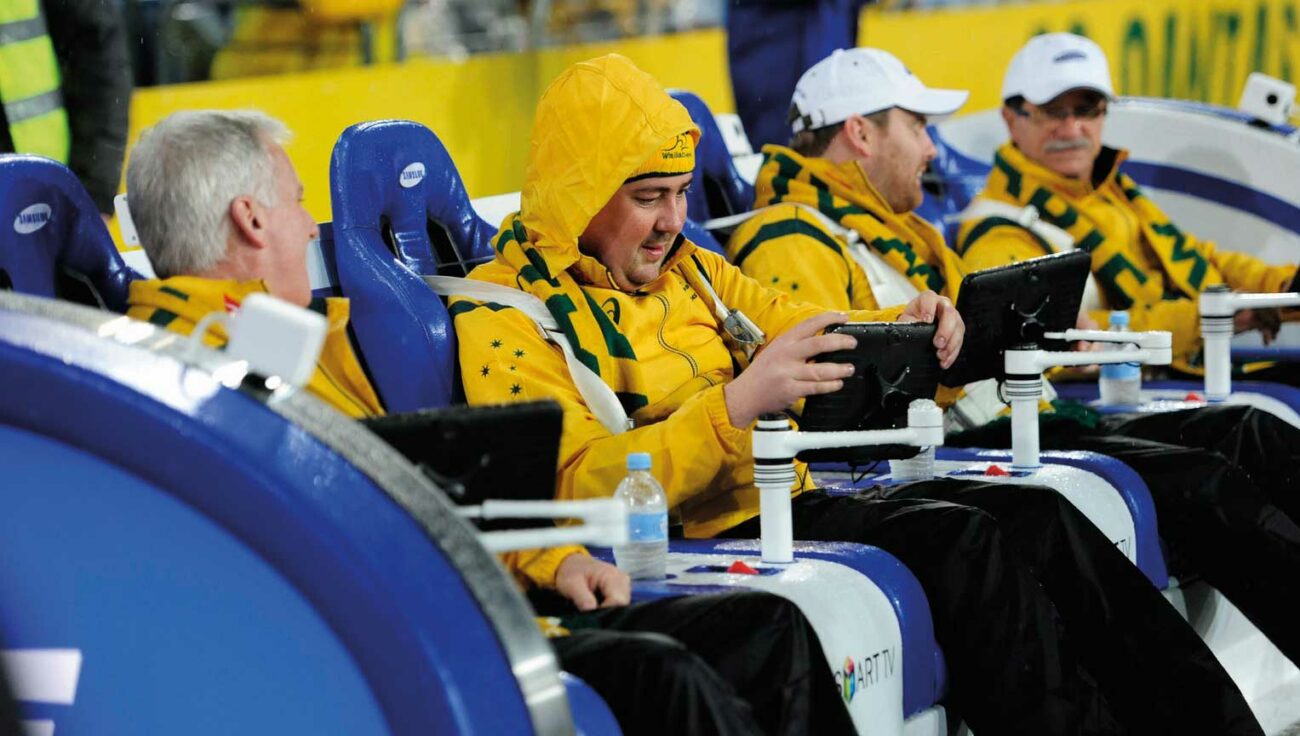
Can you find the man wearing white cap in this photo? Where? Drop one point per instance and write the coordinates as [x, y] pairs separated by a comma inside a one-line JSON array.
[[835, 227], [835, 224], [1054, 186]]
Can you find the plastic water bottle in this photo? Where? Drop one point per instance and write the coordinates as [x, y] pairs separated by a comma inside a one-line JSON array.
[[645, 555], [1121, 383]]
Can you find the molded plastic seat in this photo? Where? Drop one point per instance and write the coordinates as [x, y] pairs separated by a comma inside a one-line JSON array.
[[401, 210], [924, 671], [719, 188], [180, 553], [52, 240]]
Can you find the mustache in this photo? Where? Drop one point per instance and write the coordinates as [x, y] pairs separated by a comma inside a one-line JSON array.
[[1067, 145]]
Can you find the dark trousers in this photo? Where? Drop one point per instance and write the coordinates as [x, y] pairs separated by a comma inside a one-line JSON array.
[[1226, 485], [1045, 626], [739, 663]]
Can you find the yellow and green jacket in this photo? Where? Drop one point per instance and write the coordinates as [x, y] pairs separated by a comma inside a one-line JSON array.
[[178, 303], [659, 348], [1142, 262], [787, 248]]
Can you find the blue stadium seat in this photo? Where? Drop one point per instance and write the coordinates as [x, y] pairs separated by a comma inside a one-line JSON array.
[[362, 250], [180, 556], [696, 233], [400, 210], [53, 242], [952, 182], [719, 189]]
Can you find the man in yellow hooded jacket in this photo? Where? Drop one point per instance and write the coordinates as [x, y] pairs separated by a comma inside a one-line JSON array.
[[835, 226], [219, 208], [598, 243], [1055, 96]]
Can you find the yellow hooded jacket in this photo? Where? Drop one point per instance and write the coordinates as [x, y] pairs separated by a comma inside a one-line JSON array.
[[178, 303], [1142, 262], [659, 348]]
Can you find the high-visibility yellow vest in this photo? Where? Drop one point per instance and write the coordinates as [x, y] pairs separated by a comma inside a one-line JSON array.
[[29, 82]]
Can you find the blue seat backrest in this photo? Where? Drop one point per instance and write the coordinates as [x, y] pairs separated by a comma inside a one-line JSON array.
[[719, 189], [395, 192], [53, 242], [328, 597], [696, 233], [958, 178]]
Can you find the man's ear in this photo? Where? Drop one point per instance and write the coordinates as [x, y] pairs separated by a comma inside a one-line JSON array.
[[249, 220], [1008, 115], [860, 135]]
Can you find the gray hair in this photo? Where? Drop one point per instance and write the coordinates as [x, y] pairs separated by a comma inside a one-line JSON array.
[[183, 174]]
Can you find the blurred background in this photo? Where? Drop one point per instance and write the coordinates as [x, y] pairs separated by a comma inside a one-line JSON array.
[[472, 70]]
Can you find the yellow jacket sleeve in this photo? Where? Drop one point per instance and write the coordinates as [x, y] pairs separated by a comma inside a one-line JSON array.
[[689, 449], [998, 246], [1182, 317], [804, 269], [536, 568], [1246, 273]]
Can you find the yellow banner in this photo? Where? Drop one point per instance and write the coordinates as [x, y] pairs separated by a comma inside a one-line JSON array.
[[1188, 49], [481, 109]]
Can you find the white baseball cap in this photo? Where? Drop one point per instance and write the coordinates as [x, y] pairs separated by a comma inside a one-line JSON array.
[[862, 81], [1053, 64]]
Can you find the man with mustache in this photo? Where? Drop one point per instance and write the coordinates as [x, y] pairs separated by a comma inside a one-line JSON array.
[[1046, 627], [834, 227], [1056, 170]]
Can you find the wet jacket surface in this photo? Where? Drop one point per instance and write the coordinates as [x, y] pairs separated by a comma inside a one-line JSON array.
[[1142, 262], [660, 348]]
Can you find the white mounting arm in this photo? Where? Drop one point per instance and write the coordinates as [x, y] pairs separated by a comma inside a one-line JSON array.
[[776, 443], [604, 523], [1024, 369], [1218, 305], [269, 337]]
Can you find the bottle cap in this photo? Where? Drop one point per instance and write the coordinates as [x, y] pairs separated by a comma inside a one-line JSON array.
[[638, 461], [1118, 319]]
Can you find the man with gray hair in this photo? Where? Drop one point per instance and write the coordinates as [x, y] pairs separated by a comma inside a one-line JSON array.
[[219, 209], [218, 206]]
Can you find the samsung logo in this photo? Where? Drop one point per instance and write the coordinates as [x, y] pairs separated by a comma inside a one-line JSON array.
[[412, 175], [1070, 56], [32, 219]]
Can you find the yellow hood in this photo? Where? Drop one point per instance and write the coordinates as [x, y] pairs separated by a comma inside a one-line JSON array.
[[596, 124]]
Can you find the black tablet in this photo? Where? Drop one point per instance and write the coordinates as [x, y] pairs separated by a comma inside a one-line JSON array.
[[894, 363], [481, 452], [1015, 304]]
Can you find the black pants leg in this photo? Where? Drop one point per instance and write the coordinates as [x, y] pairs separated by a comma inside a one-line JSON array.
[[1214, 520], [1265, 447], [1000, 634], [742, 662], [653, 684], [1156, 673]]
